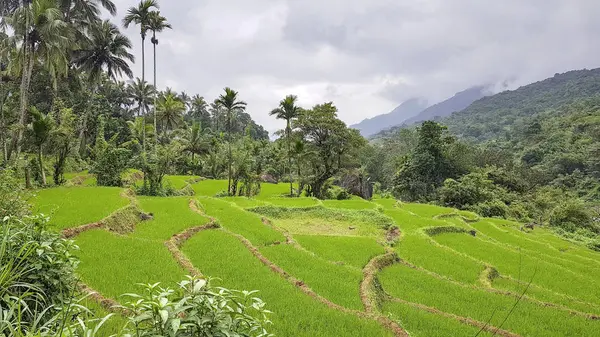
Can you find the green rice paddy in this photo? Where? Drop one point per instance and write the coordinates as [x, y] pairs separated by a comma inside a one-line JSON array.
[[443, 274]]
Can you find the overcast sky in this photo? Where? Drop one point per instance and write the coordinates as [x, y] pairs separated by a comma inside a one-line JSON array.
[[365, 55]]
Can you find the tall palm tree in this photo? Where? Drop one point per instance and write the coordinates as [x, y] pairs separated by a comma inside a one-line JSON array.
[[230, 103], [288, 111], [170, 111], [157, 23], [39, 34], [106, 50], [142, 93], [140, 15]]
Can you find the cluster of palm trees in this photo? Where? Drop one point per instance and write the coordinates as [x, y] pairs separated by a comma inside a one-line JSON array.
[[67, 37]]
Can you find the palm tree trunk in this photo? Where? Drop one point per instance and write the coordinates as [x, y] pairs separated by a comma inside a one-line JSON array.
[[155, 91], [143, 81], [289, 158], [25, 81], [229, 151], [41, 162], [3, 133]]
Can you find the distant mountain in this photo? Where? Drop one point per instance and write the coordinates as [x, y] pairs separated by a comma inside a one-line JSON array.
[[457, 102], [404, 111], [496, 116], [443, 109]]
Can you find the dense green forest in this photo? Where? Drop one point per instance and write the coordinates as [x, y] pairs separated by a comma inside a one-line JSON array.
[[496, 116]]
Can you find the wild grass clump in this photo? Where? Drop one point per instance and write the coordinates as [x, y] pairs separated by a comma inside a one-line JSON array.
[[348, 215], [434, 231], [123, 221]]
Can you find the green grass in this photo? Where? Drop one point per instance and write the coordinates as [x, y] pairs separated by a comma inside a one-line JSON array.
[[422, 251], [535, 248], [171, 216], [76, 206], [386, 203], [337, 283], [420, 323], [327, 221], [426, 211], [178, 182], [210, 188], [546, 295], [353, 251], [113, 264], [527, 319], [244, 202], [240, 221], [408, 222], [292, 202], [339, 238], [525, 267], [268, 190], [294, 313], [349, 204]]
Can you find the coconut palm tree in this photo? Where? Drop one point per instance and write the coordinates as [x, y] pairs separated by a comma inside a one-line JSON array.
[[83, 13], [199, 111], [39, 34], [106, 51], [142, 93], [139, 130], [194, 142], [170, 111], [288, 111], [230, 103], [140, 15], [41, 127], [157, 23]]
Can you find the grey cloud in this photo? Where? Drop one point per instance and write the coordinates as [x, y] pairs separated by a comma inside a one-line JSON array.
[[368, 55]]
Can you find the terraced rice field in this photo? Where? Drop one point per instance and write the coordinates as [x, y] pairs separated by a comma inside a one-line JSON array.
[[341, 268]]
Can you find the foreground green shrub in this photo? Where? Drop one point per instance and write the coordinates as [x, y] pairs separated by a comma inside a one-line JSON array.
[[36, 273], [12, 195], [196, 308]]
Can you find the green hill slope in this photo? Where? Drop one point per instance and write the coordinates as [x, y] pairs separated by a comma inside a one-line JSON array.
[[493, 116]]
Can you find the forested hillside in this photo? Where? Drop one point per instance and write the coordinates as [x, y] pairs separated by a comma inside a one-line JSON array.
[[493, 116]]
